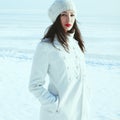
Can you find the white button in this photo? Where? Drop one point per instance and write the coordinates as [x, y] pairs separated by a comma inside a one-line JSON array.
[[77, 77], [67, 67], [76, 56], [77, 66], [63, 57]]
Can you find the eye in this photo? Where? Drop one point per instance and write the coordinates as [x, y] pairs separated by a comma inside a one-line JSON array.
[[72, 15]]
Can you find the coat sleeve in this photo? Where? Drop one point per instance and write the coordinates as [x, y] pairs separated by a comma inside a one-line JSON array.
[[39, 70]]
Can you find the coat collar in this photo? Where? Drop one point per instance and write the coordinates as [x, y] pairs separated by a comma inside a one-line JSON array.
[[71, 41]]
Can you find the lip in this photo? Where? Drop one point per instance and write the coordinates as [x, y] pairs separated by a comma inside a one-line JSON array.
[[67, 25]]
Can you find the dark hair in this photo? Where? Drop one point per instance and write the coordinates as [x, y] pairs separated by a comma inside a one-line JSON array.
[[57, 29]]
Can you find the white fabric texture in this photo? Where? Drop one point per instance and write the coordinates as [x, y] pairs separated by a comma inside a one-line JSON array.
[[65, 98], [59, 6]]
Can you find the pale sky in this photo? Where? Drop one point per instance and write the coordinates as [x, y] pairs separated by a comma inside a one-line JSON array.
[[91, 7]]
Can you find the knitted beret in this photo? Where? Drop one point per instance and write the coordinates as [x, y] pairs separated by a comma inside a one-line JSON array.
[[59, 6]]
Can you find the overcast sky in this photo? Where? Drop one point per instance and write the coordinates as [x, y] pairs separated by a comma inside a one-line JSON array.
[[102, 7]]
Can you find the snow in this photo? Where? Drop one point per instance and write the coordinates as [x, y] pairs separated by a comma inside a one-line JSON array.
[[19, 35]]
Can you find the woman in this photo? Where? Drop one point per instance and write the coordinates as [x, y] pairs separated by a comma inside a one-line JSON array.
[[60, 54]]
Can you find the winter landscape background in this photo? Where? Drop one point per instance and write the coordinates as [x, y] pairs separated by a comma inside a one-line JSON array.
[[21, 28]]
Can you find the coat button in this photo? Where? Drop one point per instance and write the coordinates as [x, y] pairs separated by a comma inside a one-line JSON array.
[[76, 77], [77, 66], [76, 56], [64, 57], [67, 67], [69, 79]]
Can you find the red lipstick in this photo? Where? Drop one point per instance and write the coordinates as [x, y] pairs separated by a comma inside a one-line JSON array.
[[67, 25]]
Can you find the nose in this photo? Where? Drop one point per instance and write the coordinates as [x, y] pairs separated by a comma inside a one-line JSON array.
[[68, 18]]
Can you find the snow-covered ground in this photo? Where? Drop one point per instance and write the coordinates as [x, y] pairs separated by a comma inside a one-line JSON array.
[[19, 34]]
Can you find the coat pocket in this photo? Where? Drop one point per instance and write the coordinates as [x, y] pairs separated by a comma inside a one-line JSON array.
[[51, 107]]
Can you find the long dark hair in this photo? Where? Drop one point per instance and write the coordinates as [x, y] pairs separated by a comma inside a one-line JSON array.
[[57, 29]]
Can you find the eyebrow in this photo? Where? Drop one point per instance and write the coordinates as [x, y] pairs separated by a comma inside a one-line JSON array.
[[66, 12]]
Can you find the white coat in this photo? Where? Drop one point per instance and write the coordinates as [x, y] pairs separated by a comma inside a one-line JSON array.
[[64, 99]]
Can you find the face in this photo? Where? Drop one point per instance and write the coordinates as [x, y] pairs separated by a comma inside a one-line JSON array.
[[67, 20]]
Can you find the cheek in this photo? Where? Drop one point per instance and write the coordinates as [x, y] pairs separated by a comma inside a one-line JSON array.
[[73, 20], [62, 22]]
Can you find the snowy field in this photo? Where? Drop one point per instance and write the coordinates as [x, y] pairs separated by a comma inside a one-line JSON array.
[[20, 31]]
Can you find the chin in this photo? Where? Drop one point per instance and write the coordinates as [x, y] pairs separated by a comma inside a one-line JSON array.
[[68, 29]]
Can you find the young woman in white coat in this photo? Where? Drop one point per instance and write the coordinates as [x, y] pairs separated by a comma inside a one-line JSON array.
[[60, 55]]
